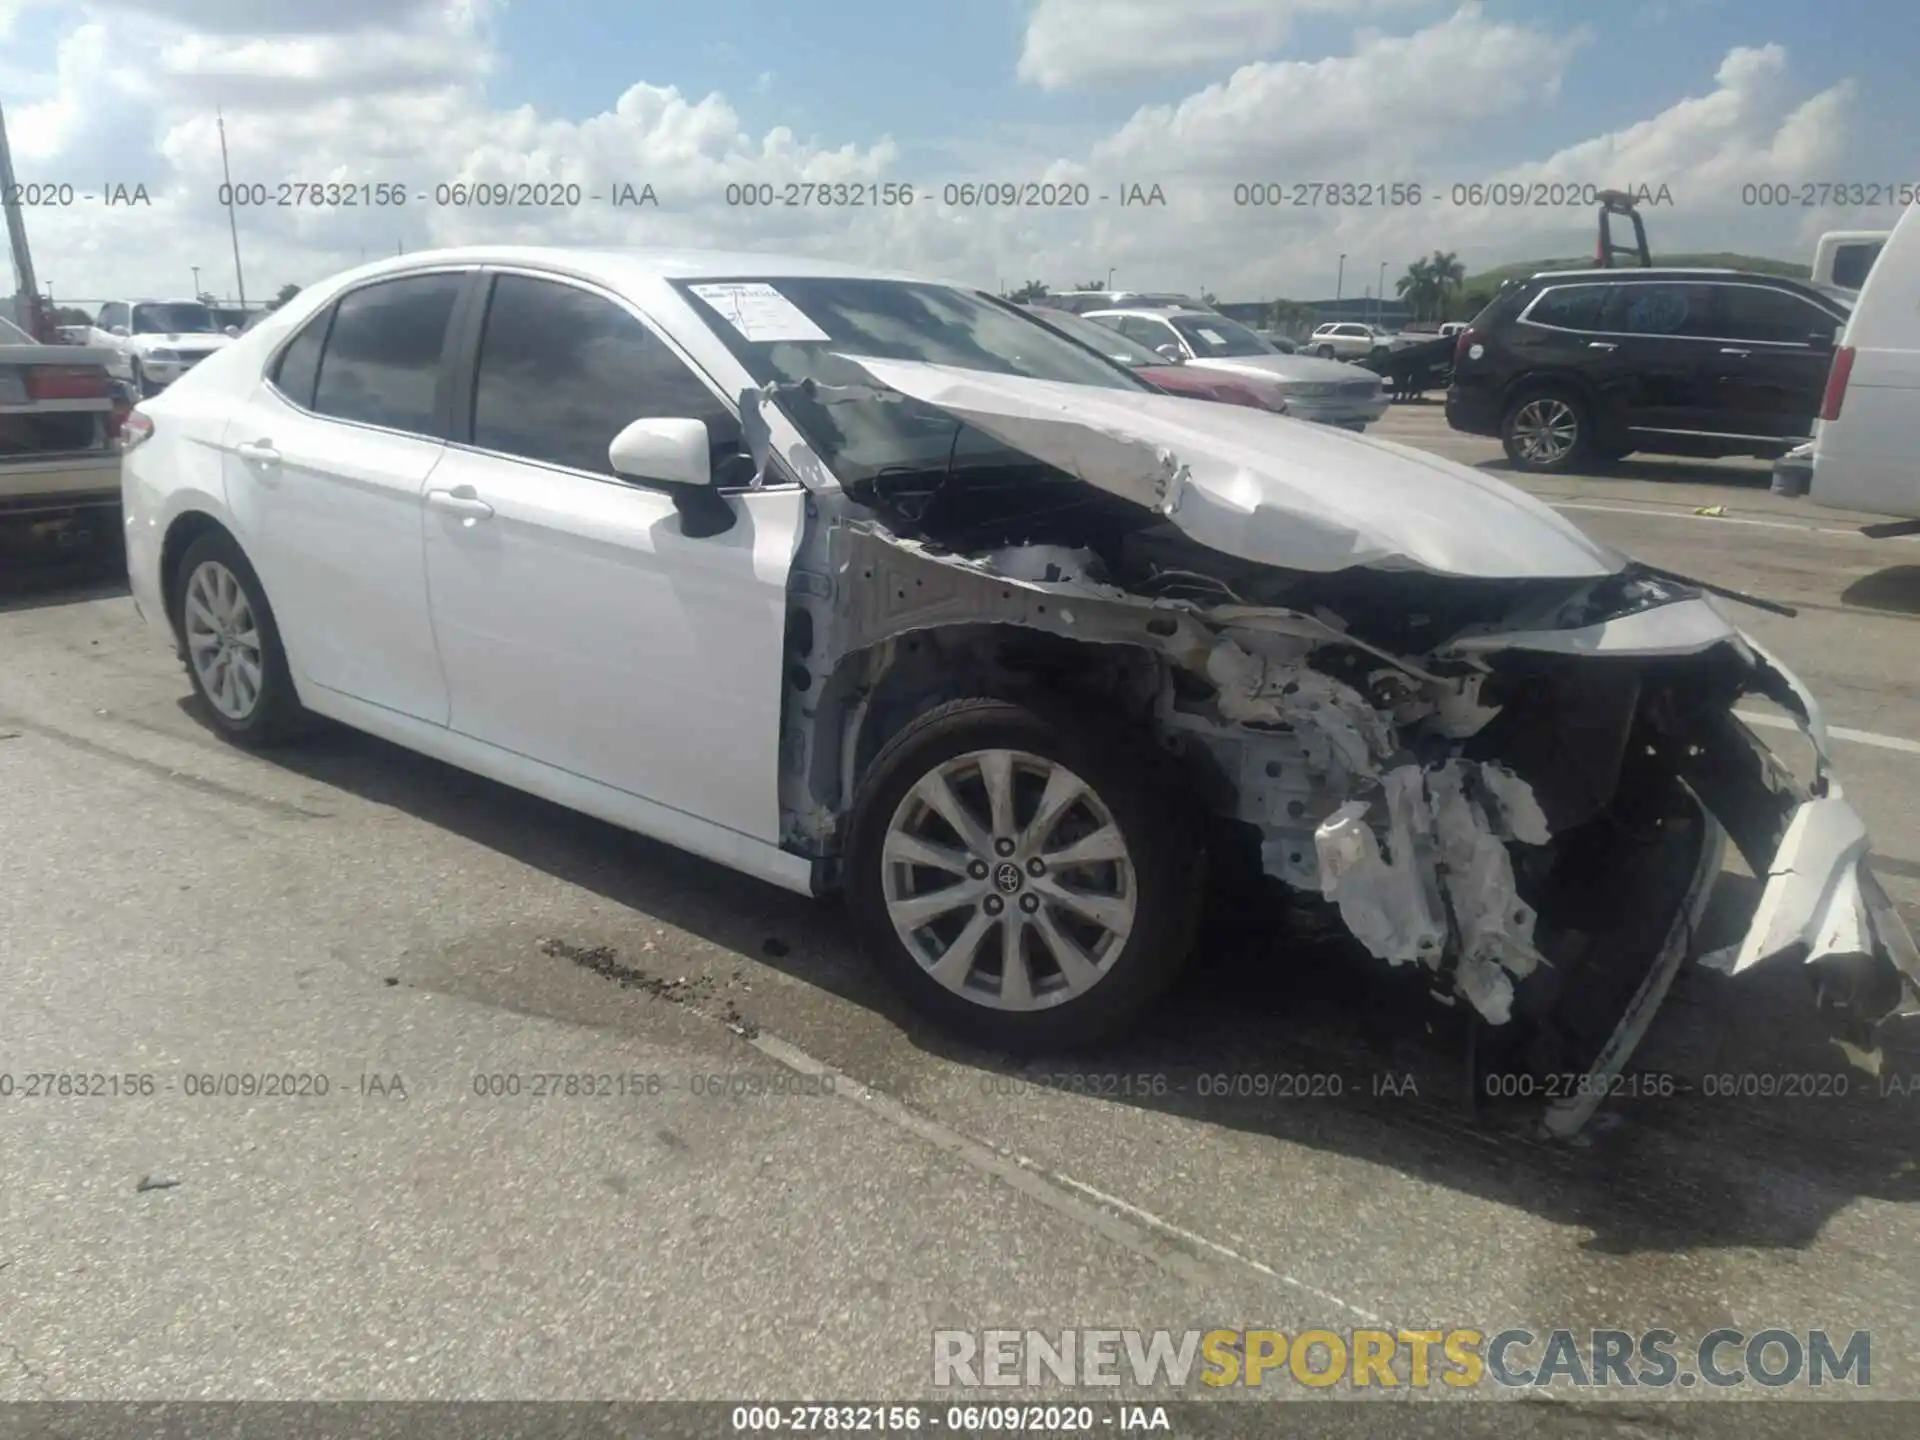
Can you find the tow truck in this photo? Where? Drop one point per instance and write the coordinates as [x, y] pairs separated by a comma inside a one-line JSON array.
[[60, 418]]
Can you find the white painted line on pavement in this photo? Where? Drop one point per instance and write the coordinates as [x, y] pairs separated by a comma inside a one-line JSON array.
[[1662, 514], [1133, 1228], [1838, 732]]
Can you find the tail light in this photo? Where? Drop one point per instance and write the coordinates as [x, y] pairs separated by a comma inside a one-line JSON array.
[[1837, 376], [136, 429], [67, 382], [117, 417]]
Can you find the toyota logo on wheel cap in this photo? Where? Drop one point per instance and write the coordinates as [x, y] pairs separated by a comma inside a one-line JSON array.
[[1006, 877]]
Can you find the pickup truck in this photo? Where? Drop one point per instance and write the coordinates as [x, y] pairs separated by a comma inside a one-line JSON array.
[[60, 418]]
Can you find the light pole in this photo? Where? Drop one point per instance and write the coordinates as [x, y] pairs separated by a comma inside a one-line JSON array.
[[1110, 277], [196, 282], [1380, 293], [1340, 280]]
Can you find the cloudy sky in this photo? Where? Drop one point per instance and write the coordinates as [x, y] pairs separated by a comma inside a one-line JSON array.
[[1198, 97]]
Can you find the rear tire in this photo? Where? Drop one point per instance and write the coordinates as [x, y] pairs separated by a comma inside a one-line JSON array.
[[1547, 431], [1097, 937], [232, 647]]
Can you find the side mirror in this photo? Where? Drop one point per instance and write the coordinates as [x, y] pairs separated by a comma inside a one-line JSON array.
[[676, 455], [233, 332], [663, 452], [1170, 352], [120, 330]]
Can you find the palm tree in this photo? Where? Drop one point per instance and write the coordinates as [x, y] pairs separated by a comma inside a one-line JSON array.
[[1418, 287], [1447, 273], [1030, 291]]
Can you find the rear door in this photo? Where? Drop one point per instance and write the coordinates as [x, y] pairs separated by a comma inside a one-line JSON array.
[[1561, 332], [326, 466], [1769, 360], [1656, 338]]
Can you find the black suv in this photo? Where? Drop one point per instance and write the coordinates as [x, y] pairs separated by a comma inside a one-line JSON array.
[[1580, 366]]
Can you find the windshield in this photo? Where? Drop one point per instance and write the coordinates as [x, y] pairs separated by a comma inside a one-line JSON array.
[[179, 318], [1216, 336], [1110, 343], [12, 334], [796, 329]]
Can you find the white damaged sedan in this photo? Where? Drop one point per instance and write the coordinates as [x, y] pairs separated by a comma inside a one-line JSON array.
[[863, 582]]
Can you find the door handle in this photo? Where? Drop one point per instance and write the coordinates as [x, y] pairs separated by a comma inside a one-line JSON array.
[[1601, 345], [1730, 351], [260, 452], [460, 501]]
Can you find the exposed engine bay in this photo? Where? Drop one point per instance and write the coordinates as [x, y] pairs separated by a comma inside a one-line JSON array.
[[1523, 786]]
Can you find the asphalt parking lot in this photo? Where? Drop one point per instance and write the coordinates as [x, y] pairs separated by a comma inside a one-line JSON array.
[[354, 916]]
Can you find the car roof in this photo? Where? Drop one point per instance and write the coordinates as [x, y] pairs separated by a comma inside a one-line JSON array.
[[1658, 272], [1155, 312], [619, 266]]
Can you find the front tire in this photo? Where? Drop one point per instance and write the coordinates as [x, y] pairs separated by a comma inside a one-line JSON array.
[[1325, 352], [1546, 431], [232, 646], [1025, 880]]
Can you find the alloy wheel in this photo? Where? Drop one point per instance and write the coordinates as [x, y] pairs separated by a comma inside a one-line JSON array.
[[1007, 878], [1545, 430], [223, 640]]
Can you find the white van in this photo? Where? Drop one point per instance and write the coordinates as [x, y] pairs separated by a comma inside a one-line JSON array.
[[1844, 258], [1866, 447]]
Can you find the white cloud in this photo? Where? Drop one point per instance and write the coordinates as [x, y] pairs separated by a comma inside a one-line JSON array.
[[1077, 42], [131, 99], [1394, 98], [1751, 126]]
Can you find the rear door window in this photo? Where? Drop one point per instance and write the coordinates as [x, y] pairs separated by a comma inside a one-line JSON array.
[[381, 364], [298, 368], [1678, 310]]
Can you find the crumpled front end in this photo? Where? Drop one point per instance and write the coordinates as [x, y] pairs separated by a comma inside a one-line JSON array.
[[1501, 755], [1556, 866]]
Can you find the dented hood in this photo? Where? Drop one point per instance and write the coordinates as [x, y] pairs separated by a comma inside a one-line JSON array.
[[1265, 487]]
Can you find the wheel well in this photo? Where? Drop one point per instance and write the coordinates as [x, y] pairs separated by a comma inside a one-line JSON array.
[[1538, 382], [185, 529], [874, 693]]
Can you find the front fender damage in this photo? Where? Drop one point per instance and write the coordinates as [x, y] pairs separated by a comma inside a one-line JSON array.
[[1390, 783]]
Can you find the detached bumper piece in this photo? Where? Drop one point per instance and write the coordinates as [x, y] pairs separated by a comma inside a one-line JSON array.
[[1824, 907]]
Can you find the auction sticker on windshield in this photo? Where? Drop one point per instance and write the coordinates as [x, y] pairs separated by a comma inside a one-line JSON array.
[[759, 312], [1213, 337]]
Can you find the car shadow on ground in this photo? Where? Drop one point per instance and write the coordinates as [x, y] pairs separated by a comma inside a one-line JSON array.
[[1278, 1030], [36, 582], [1896, 588]]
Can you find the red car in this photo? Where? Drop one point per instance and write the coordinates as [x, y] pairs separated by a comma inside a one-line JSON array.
[[1157, 370]]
